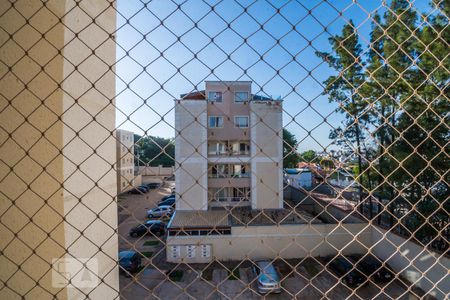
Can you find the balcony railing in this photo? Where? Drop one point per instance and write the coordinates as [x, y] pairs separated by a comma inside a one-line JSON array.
[[229, 201], [242, 175], [230, 153]]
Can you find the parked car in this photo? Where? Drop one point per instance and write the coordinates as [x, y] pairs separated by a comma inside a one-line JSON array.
[[129, 261], [143, 186], [168, 202], [268, 279], [345, 270], [167, 197], [153, 185], [138, 190], [372, 267], [154, 227], [160, 211]]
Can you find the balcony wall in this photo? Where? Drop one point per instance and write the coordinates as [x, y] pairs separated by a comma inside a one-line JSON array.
[[228, 182]]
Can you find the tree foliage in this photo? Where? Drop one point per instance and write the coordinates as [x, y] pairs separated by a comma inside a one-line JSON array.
[[154, 151], [290, 154], [400, 92]]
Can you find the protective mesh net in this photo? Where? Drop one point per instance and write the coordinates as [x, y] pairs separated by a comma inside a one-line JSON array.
[[224, 149]]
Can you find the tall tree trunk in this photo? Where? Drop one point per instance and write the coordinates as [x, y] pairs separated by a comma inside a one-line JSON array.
[[392, 192], [381, 162], [358, 150]]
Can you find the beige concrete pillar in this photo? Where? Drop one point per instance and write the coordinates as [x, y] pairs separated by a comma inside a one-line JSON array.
[[57, 149]]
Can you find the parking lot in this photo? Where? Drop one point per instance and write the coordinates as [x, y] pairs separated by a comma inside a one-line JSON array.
[[305, 279], [203, 283]]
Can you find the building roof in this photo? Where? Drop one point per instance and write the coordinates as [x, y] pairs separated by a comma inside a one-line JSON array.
[[201, 95], [196, 95], [199, 219], [243, 216]]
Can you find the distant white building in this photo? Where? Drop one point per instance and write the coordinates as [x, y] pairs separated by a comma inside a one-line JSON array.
[[125, 161], [300, 177]]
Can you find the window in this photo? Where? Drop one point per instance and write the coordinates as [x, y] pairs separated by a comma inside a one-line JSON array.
[[241, 122], [190, 250], [240, 148], [215, 96], [219, 171], [174, 251], [239, 171], [205, 251], [217, 148], [240, 96], [215, 122]]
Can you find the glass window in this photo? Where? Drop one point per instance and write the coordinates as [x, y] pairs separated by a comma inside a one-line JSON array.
[[222, 170], [205, 251], [240, 96], [239, 170], [190, 250], [216, 148], [215, 96], [212, 149], [241, 122], [174, 251], [215, 122]]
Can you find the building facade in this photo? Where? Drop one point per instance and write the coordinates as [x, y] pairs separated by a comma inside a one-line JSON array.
[[228, 148], [125, 160], [229, 154]]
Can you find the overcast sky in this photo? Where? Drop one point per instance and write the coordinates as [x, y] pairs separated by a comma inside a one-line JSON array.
[[160, 64]]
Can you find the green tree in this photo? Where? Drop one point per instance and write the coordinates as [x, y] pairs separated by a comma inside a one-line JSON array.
[[154, 151], [423, 146], [290, 154], [390, 79], [309, 156], [344, 87]]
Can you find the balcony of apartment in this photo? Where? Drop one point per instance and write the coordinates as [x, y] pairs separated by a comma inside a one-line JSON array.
[[229, 201], [228, 151], [229, 196], [228, 175]]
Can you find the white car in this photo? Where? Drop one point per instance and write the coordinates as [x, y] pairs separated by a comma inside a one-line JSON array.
[[161, 211]]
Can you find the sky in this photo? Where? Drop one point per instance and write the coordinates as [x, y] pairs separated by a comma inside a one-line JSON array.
[[167, 48]]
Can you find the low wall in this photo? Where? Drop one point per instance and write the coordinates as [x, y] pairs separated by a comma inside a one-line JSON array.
[[424, 268], [131, 183], [268, 242], [155, 171]]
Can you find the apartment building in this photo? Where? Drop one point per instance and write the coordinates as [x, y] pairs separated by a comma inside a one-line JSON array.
[[125, 161], [228, 148]]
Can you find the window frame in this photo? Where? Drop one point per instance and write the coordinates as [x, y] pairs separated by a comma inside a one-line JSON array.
[[214, 100], [236, 125], [241, 101], [217, 117]]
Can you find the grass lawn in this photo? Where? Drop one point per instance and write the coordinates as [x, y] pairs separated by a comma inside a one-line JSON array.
[[147, 253], [176, 275], [151, 243], [234, 275]]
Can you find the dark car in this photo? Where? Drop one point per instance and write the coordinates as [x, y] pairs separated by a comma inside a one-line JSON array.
[[372, 267], [346, 271], [145, 187], [168, 202], [138, 190], [129, 261], [167, 197], [153, 185], [150, 227]]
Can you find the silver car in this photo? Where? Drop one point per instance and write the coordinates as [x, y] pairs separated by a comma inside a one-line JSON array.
[[161, 211], [268, 279]]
